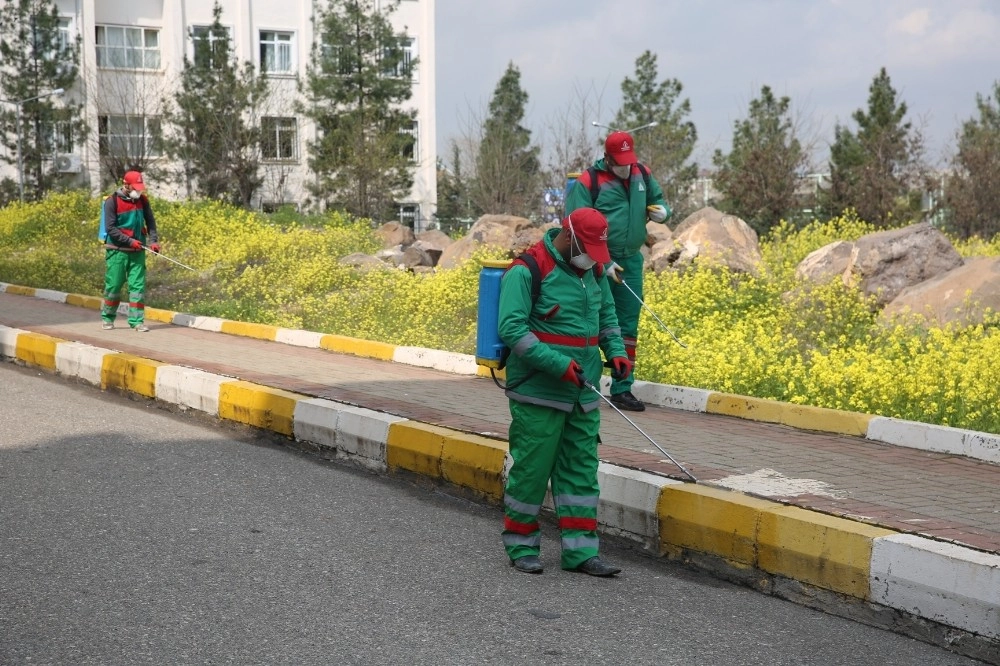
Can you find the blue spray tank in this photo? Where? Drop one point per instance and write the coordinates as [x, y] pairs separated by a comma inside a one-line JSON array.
[[489, 346]]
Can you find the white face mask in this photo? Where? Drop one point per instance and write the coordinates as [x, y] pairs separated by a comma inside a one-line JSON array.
[[583, 261], [621, 171], [134, 194]]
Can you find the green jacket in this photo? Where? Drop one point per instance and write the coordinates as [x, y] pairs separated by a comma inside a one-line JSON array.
[[625, 209], [573, 318]]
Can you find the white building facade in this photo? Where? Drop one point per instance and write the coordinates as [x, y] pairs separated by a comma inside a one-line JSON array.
[[132, 55]]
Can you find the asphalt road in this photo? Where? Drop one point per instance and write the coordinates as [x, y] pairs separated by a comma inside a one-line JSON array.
[[133, 535]]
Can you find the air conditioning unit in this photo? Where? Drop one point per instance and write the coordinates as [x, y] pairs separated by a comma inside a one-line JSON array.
[[68, 164]]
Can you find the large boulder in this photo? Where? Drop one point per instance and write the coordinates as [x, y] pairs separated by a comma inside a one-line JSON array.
[[394, 233], [492, 230], [708, 235], [960, 295], [886, 262], [435, 239], [657, 233], [662, 256], [363, 262], [826, 263]]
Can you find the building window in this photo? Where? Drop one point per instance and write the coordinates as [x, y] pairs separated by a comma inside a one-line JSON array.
[[402, 66], [336, 59], [411, 148], [211, 49], [279, 139], [276, 52], [409, 215], [129, 136], [405, 67], [57, 138], [128, 48], [66, 40]]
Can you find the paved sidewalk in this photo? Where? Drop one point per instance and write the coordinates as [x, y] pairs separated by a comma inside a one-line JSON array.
[[942, 496]]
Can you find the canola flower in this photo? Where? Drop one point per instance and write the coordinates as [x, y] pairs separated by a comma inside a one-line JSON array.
[[767, 335]]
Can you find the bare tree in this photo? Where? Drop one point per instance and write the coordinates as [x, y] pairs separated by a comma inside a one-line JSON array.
[[972, 196], [572, 142], [129, 105]]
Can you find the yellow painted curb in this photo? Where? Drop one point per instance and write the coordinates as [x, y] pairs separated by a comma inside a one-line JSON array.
[[259, 406], [156, 314], [474, 462], [709, 520], [37, 349], [19, 290], [826, 551], [92, 302], [806, 417], [416, 447], [754, 409], [131, 373], [366, 348], [247, 330]]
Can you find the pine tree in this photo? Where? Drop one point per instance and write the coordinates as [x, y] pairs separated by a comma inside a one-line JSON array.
[[667, 147], [507, 167], [972, 197], [358, 79], [35, 60], [876, 169], [758, 177], [216, 118]]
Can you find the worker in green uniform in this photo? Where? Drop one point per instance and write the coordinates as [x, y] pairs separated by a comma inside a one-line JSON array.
[[556, 336], [623, 190]]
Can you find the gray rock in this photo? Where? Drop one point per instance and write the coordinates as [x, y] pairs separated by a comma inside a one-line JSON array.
[[884, 263], [960, 295]]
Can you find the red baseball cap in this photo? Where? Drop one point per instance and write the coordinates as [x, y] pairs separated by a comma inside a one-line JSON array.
[[134, 178], [621, 147], [591, 230]]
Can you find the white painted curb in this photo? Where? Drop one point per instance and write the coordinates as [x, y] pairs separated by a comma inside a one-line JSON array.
[[458, 364], [628, 504], [75, 359], [189, 388], [212, 324], [8, 341], [297, 338], [938, 581]]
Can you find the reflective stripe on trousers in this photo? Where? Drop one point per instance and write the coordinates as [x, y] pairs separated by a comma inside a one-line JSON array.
[[548, 444]]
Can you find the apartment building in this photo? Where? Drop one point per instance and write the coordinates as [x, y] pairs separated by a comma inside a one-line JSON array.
[[132, 56]]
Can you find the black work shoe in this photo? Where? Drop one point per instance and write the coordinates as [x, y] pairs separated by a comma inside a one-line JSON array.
[[628, 402], [527, 564], [595, 566]]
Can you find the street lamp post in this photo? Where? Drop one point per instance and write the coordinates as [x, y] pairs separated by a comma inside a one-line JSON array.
[[20, 154], [634, 129]]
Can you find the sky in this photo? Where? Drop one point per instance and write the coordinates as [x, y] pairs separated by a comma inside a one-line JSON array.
[[822, 54]]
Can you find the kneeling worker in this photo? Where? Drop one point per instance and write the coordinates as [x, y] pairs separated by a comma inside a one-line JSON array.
[[556, 337]]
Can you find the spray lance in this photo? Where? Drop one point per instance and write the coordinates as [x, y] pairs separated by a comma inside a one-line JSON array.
[[149, 249]]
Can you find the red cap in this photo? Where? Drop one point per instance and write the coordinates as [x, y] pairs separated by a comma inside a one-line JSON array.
[[134, 178], [591, 230], [619, 145]]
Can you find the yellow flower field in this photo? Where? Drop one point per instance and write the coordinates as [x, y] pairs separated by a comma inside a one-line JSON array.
[[768, 335]]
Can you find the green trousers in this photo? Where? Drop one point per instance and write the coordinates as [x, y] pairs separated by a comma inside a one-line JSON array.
[[120, 267], [547, 444], [628, 308]]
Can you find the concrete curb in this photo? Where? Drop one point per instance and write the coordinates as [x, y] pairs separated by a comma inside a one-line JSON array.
[[920, 578], [979, 445]]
